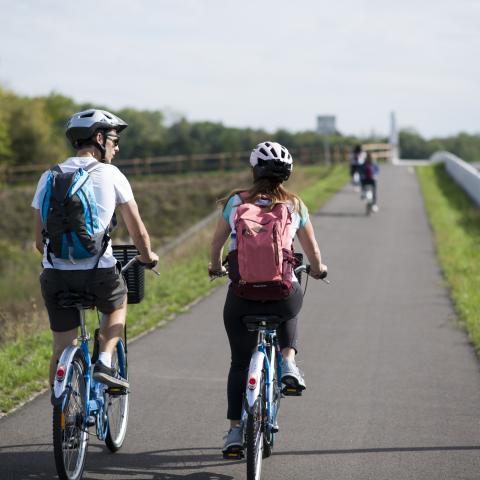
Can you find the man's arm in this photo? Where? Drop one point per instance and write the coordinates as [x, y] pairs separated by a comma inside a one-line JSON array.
[[137, 231], [38, 232]]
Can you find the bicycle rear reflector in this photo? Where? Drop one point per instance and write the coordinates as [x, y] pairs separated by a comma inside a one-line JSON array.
[[252, 383], [60, 375]]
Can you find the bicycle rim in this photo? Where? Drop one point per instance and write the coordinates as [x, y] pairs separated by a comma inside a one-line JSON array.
[[117, 405], [70, 435], [254, 434]]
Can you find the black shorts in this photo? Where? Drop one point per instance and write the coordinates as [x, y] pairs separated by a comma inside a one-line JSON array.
[[107, 285]]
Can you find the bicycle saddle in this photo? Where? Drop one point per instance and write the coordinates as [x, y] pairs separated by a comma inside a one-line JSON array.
[[75, 299], [254, 322]]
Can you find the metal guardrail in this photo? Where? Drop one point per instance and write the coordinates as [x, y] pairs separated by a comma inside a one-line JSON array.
[[463, 173]]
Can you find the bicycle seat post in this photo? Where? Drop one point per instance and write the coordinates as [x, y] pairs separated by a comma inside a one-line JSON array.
[[83, 329]]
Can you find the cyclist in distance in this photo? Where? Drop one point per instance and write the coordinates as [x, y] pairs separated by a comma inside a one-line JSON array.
[[357, 157], [368, 176], [95, 134], [271, 165]]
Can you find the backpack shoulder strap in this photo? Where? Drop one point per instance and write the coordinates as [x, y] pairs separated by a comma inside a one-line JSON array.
[[56, 168], [92, 166], [243, 196]]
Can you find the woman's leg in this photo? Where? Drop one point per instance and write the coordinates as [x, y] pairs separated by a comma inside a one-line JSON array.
[[242, 342]]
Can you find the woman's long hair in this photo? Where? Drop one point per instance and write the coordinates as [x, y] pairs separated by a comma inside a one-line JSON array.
[[265, 188]]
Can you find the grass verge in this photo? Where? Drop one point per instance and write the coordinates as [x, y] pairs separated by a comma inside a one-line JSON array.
[[455, 221], [24, 363]]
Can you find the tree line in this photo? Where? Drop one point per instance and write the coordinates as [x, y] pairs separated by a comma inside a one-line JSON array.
[[32, 132]]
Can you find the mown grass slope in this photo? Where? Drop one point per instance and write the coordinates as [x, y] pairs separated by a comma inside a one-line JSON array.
[[24, 356], [455, 221]]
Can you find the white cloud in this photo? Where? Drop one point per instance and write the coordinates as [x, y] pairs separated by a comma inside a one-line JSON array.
[[267, 64]]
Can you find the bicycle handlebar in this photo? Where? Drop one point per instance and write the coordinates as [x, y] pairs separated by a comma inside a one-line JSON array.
[[306, 269], [149, 266]]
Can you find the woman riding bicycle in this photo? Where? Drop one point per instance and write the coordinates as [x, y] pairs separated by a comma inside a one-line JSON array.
[[271, 166]]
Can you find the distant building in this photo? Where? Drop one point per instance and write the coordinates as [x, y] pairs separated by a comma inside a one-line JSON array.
[[326, 125]]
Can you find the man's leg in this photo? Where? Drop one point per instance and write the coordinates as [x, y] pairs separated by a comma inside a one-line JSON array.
[[61, 340], [111, 330]]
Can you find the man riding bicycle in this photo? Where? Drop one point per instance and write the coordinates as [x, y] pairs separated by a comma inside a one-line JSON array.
[[95, 134]]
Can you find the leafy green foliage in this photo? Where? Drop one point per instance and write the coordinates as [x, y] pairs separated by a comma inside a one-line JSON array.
[[464, 145]]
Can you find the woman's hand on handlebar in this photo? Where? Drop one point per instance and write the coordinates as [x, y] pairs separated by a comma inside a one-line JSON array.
[[216, 271], [319, 274]]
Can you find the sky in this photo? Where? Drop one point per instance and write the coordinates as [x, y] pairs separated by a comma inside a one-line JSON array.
[[261, 64]]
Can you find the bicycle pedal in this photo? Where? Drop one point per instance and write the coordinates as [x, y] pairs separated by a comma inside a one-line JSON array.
[[117, 391], [292, 391], [275, 428], [234, 453]]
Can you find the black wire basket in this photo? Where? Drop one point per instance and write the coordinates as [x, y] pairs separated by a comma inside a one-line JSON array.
[[135, 275]]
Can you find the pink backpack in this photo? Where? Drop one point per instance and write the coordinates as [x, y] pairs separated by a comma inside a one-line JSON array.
[[261, 266]]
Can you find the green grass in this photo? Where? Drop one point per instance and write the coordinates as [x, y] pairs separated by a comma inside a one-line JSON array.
[[183, 279], [455, 221]]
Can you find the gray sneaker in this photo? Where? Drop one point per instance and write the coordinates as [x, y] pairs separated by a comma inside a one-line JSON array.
[[292, 378], [233, 446]]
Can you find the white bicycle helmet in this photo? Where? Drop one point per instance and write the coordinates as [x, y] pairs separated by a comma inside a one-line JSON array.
[[83, 125], [271, 160]]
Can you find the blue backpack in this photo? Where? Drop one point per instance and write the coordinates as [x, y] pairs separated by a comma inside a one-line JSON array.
[[69, 213]]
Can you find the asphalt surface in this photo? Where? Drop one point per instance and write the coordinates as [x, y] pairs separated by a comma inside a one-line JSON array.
[[393, 387]]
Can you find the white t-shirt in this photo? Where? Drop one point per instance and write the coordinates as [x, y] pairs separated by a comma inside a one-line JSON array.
[[111, 188]]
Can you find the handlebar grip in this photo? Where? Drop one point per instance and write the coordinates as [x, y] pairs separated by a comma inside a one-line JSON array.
[[323, 275], [149, 266]]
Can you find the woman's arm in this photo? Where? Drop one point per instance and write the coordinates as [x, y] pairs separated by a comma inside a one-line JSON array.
[[306, 235], [222, 232]]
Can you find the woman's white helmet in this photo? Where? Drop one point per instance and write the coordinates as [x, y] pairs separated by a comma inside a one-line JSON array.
[[271, 160]]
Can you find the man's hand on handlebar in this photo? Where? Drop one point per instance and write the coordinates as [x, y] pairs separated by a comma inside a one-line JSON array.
[[319, 274], [149, 262]]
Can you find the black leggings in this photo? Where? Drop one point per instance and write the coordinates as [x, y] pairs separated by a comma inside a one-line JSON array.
[[243, 342]]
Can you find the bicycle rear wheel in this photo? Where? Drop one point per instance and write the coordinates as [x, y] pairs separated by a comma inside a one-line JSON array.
[[70, 433], [254, 434], [117, 404]]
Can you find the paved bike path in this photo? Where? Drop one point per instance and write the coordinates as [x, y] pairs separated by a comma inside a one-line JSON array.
[[393, 385]]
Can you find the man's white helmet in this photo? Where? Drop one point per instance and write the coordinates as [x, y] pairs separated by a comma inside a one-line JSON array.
[[271, 160], [83, 125]]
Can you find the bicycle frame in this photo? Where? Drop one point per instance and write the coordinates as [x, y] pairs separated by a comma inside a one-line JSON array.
[[263, 359], [94, 391]]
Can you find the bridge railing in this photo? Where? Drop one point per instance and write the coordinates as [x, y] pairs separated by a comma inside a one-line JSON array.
[[379, 151]]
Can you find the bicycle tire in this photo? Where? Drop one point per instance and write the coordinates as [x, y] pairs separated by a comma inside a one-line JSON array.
[[117, 405], [255, 440], [70, 434]]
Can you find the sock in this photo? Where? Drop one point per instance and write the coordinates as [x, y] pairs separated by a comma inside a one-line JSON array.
[[105, 358]]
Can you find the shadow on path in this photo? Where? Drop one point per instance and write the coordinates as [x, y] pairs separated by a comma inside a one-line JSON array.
[[382, 450], [35, 461]]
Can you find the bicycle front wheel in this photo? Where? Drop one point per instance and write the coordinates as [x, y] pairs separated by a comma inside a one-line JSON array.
[[117, 404], [254, 434], [70, 433]]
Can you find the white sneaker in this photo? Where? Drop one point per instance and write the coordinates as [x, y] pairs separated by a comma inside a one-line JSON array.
[[233, 442], [375, 208], [291, 375]]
